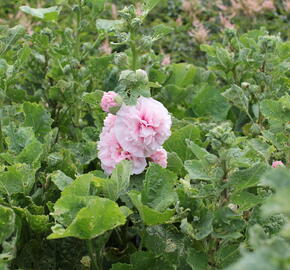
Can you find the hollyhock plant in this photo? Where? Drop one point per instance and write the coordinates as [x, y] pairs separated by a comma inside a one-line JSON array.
[[143, 128], [111, 152], [109, 100], [160, 157]]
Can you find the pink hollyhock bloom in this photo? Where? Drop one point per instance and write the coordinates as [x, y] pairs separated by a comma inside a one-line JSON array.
[[277, 164], [143, 128], [108, 100], [160, 157], [268, 5], [111, 152]]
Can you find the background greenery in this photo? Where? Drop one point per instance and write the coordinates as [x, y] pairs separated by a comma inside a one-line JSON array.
[[222, 70]]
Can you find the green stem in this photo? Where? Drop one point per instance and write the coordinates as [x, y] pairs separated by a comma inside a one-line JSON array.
[[1, 140], [134, 51], [78, 41], [92, 254]]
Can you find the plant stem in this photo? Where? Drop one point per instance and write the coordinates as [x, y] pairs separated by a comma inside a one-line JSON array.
[[78, 41], [92, 255], [134, 51], [1, 140]]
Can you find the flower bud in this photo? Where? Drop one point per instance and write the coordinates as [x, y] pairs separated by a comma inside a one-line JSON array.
[[121, 59], [141, 76]]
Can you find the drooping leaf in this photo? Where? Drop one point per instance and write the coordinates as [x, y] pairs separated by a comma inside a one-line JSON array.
[[7, 222], [46, 14]]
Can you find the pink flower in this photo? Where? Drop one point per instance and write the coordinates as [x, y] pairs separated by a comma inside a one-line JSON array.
[[277, 164], [111, 152], [166, 60], [160, 157], [143, 128], [268, 5], [106, 48], [108, 101]]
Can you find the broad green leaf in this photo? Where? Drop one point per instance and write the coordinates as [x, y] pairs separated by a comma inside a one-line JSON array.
[[119, 181], [273, 109], [209, 102], [174, 163], [7, 221], [243, 179], [100, 215], [236, 96], [200, 152], [46, 14], [224, 58], [60, 179], [93, 98], [144, 260], [13, 35], [245, 200], [80, 186], [18, 178], [38, 118], [176, 143], [67, 207], [148, 215], [197, 259], [196, 170], [158, 188], [109, 25]]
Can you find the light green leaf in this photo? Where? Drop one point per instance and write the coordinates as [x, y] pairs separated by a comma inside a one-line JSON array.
[[150, 4], [273, 109], [18, 178], [60, 179], [7, 220], [38, 118], [46, 14], [209, 102], [109, 25], [176, 143], [243, 179], [161, 30], [245, 200], [196, 170], [119, 181], [100, 215], [147, 214], [158, 188]]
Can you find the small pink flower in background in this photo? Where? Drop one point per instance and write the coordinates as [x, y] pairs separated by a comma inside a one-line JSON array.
[[268, 5], [179, 21], [225, 22], [200, 33], [277, 164], [106, 48], [143, 128], [166, 60], [186, 5], [138, 7], [287, 5], [160, 157], [108, 100]]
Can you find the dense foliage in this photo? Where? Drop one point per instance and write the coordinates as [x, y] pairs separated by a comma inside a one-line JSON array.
[[221, 68]]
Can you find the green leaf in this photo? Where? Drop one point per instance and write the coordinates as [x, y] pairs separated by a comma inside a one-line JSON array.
[[196, 259], [93, 98], [119, 181], [273, 109], [236, 96], [182, 75], [18, 178], [209, 102], [109, 25], [196, 170], [150, 4], [245, 200], [37, 118], [148, 215], [60, 179], [80, 186], [158, 188], [46, 14], [243, 179], [174, 163], [7, 221], [122, 266], [161, 30], [144, 260], [176, 143], [100, 215]]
